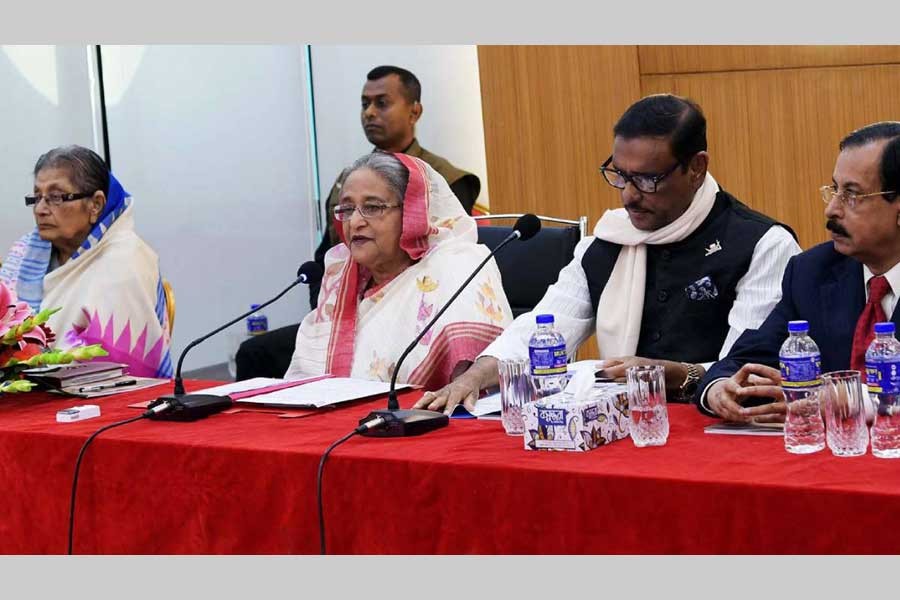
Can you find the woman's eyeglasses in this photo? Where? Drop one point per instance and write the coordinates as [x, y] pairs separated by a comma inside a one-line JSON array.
[[368, 210], [55, 199]]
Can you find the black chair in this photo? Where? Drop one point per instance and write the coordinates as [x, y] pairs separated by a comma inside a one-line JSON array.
[[529, 268]]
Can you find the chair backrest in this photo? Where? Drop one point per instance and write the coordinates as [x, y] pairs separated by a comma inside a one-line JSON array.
[[170, 304], [529, 268], [582, 221]]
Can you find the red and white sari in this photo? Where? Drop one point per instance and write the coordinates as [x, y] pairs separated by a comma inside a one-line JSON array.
[[362, 334]]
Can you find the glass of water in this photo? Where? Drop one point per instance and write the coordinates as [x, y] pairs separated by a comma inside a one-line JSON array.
[[842, 396], [647, 405], [516, 390]]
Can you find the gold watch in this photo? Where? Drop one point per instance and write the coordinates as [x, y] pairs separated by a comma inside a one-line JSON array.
[[691, 380]]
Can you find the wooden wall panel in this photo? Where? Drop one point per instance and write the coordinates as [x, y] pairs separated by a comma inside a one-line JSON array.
[[693, 59], [774, 135], [775, 115], [548, 118]]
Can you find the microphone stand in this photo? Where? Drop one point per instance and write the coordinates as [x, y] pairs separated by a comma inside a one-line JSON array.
[[189, 407]]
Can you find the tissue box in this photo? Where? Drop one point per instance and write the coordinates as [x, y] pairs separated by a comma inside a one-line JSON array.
[[559, 423]]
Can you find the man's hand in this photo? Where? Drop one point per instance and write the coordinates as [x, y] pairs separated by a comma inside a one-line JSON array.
[[726, 397], [615, 368], [463, 389]]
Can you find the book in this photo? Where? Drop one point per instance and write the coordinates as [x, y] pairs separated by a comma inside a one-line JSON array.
[[774, 429], [74, 374], [109, 387]]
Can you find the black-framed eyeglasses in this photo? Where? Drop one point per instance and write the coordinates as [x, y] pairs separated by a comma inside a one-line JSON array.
[[55, 199], [368, 210], [645, 183], [845, 198]]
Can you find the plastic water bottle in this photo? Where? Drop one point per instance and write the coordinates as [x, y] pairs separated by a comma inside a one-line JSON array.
[[547, 353], [256, 324], [801, 368], [883, 379]]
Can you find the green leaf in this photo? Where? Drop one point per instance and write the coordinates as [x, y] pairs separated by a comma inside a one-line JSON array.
[[26, 326], [44, 315], [16, 386]]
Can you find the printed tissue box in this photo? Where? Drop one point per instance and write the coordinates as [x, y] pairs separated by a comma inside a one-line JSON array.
[[558, 422]]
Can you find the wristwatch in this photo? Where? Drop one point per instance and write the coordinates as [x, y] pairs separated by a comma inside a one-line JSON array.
[[691, 380]]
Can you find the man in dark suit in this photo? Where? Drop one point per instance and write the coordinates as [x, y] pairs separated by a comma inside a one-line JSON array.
[[842, 287]]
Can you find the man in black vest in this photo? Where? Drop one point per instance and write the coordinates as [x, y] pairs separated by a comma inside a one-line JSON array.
[[673, 278]]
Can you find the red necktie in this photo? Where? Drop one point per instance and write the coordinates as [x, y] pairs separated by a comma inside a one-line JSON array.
[[865, 326]]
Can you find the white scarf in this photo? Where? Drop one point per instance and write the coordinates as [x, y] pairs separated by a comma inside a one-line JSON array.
[[622, 301], [112, 295]]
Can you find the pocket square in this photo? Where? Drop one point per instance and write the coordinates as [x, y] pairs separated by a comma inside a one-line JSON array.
[[702, 289]]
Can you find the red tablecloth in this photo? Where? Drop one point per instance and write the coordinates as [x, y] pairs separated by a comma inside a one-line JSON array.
[[245, 483]]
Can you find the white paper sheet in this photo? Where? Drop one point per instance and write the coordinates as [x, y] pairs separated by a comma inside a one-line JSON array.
[[240, 386], [324, 392], [486, 408]]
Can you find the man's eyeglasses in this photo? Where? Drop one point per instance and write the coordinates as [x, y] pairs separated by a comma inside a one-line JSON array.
[[369, 210], [848, 199], [645, 183], [55, 199]]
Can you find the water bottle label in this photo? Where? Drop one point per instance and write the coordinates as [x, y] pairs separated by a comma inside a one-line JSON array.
[[883, 377], [548, 361], [257, 325], [801, 372]]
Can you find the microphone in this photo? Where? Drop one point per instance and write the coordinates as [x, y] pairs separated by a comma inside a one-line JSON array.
[[400, 423], [179, 406]]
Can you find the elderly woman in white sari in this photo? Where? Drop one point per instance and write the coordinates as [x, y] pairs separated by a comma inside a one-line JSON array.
[[408, 245], [85, 257]]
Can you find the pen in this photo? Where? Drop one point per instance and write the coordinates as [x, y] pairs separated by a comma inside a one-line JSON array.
[[97, 388]]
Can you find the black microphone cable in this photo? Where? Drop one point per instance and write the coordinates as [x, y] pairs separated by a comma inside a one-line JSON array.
[[144, 415], [321, 471], [78, 466]]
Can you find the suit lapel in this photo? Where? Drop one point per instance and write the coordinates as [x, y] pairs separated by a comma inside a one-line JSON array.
[[843, 298]]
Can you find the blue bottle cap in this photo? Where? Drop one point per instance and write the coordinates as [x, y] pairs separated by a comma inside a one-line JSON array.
[[798, 326], [254, 306], [544, 319], [887, 327]]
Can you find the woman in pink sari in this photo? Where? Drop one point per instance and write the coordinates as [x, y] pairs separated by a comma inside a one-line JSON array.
[[408, 245]]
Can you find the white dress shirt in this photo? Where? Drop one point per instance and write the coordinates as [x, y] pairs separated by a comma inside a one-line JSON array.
[[889, 302], [569, 299]]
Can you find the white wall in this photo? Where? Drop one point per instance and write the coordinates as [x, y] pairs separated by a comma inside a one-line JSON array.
[[212, 142], [46, 102], [451, 125]]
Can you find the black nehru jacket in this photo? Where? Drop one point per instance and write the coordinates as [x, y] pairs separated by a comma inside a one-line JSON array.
[[691, 285]]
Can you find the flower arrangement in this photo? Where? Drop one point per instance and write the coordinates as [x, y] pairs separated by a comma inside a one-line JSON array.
[[25, 340]]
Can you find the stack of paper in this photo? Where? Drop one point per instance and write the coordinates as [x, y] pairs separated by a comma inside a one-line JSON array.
[[314, 392]]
